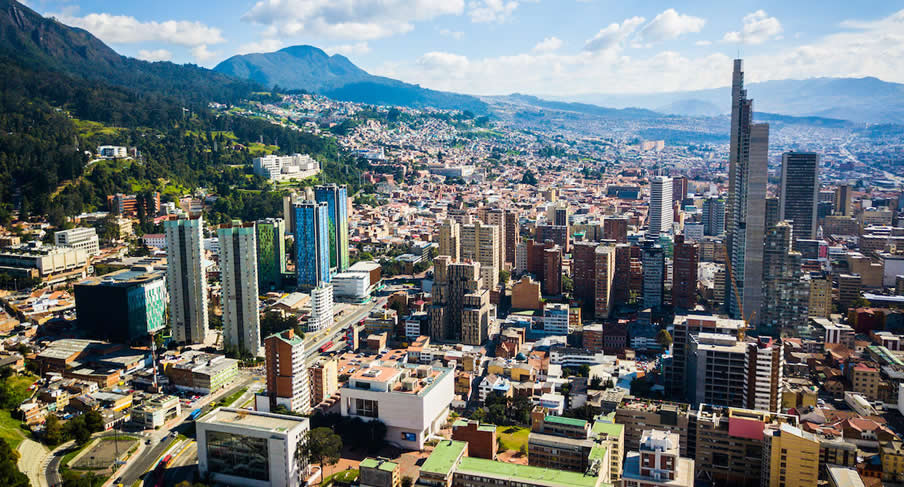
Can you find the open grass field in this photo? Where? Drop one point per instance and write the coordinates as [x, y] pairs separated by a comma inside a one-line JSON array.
[[512, 437]]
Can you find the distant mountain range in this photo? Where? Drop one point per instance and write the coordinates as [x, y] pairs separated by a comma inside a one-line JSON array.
[[869, 100], [309, 68]]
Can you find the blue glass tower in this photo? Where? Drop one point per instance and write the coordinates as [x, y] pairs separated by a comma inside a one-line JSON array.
[[312, 243], [336, 199]]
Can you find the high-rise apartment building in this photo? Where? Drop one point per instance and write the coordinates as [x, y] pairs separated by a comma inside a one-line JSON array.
[[555, 233], [621, 281], [240, 302], [336, 199], [684, 275], [765, 362], [849, 287], [287, 377], [271, 253], [312, 244], [584, 257], [820, 297], [324, 380], [321, 308], [716, 370], [653, 275], [660, 217], [481, 243], [657, 463], [785, 300], [512, 236], [552, 271], [604, 268], [616, 229], [748, 164], [843, 195], [496, 216], [799, 192], [713, 217], [679, 188], [450, 239], [684, 327], [475, 317], [790, 457], [185, 277], [452, 282]]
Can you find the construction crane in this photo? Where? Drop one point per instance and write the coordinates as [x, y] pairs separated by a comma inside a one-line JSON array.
[[742, 333]]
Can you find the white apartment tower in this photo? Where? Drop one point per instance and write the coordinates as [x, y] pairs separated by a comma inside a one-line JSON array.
[[481, 243], [186, 280], [321, 308], [660, 217], [764, 363], [240, 302]]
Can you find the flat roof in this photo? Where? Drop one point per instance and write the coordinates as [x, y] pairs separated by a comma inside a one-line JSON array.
[[611, 429], [527, 473], [550, 418], [377, 463], [442, 460], [277, 423]]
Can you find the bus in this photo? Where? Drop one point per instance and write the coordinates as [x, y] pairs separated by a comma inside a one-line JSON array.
[[194, 414], [326, 346]]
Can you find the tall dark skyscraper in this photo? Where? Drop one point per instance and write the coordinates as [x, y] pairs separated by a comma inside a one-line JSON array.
[[713, 217], [800, 191], [747, 172], [684, 274]]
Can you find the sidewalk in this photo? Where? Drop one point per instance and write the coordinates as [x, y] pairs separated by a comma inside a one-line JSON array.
[[33, 458]]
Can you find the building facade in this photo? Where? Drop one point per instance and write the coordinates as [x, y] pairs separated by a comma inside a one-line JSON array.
[[287, 377], [186, 280], [660, 218], [336, 199], [312, 244], [240, 301], [271, 253], [800, 192], [123, 306]]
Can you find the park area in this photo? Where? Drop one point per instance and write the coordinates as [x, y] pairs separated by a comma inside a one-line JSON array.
[[100, 455]]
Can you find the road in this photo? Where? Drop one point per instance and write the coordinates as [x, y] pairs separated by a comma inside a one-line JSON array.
[[183, 466], [32, 457], [324, 336], [145, 461]]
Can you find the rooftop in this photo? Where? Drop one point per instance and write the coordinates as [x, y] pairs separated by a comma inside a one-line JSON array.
[[379, 463], [442, 460], [276, 423], [578, 423], [536, 475]]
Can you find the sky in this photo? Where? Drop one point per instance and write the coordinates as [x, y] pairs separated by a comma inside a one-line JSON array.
[[540, 47]]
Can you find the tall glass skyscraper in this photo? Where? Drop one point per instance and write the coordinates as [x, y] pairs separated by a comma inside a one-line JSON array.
[[800, 191], [271, 253], [336, 199], [312, 243]]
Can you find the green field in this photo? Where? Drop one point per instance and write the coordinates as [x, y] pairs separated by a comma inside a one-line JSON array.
[[87, 128], [346, 476], [10, 429], [512, 437], [228, 400]]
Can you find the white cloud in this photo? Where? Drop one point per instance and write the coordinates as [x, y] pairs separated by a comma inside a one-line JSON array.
[[758, 28], [703, 43], [455, 34], [202, 54], [346, 19], [670, 25], [491, 10], [125, 29], [613, 35], [263, 45], [155, 55], [548, 44], [355, 49]]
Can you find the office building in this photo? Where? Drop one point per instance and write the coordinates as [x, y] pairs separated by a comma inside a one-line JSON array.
[[78, 238], [713, 217], [453, 282], [285, 168], [765, 364], [637, 415], [716, 370], [843, 195], [475, 317], [748, 164], [658, 463], [240, 301], [799, 193], [604, 269], [155, 411], [271, 253], [555, 319], [849, 288], [512, 236], [321, 308], [251, 449], [684, 327], [627, 259], [51, 263], [555, 233], [785, 299], [584, 257], [660, 218], [820, 296], [201, 372], [123, 306], [773, 212], [679, 189], [653, 275], [482, 243], [324, 376], [412, 401], [336, 199], [684, 275], [312, 244], [552, 271], [287, 378], [790, 457], [450, 239], [185, 277]]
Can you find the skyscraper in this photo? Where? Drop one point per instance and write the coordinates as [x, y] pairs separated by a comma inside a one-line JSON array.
[[481, 243], [336, 199], [312, 243], [271, 253], [584, 257], [800, 190], [512, 237], [713, 217], [843, 200], [321, 308], [452, 309], [186, 280], [764, 363], [785, 294], [773, 213], [653, 274], [660, 218], [747, 172], [684, 275], [615, 228], [604, 268], [238, 270], [450, 239]]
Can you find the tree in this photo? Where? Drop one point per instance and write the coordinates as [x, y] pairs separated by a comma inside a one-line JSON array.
[[407, 481], [53, 430], [94, 421], [664, 338], [9, 473], [322, 446], [529, 178], [504, 276], [523, 449], [567, 284]]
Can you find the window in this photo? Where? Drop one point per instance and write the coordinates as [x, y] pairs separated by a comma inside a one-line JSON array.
[[240, 456], [367, 408]]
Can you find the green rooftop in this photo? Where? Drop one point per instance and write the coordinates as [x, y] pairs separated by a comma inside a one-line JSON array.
[[578, 423], [459, 423], [511, 471], [385, 465], [598, 452], [605, 427], [487, 427], [442, 460]]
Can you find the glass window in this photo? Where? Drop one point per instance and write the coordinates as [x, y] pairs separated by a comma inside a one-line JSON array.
[[236, 455]]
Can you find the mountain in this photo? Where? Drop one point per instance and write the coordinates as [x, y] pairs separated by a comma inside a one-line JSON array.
[[868, 100], [629, 113], [309, 68]]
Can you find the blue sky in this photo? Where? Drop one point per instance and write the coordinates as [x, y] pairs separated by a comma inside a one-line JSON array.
[[547, 47]]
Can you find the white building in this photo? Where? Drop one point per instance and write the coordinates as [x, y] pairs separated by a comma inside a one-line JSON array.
[[413, 401], [553, 402], [321, 308], [285, 168], [521, 258], [490, 383], [186, 280], [78, 238], [351, 286], [112, 152], [765, 362], [660, 218], [154, 240], [240, 301], [575, 357], [555, 319], [693, 232], [251, 449]]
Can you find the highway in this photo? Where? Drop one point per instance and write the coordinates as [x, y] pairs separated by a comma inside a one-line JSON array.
[[320, 338]]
